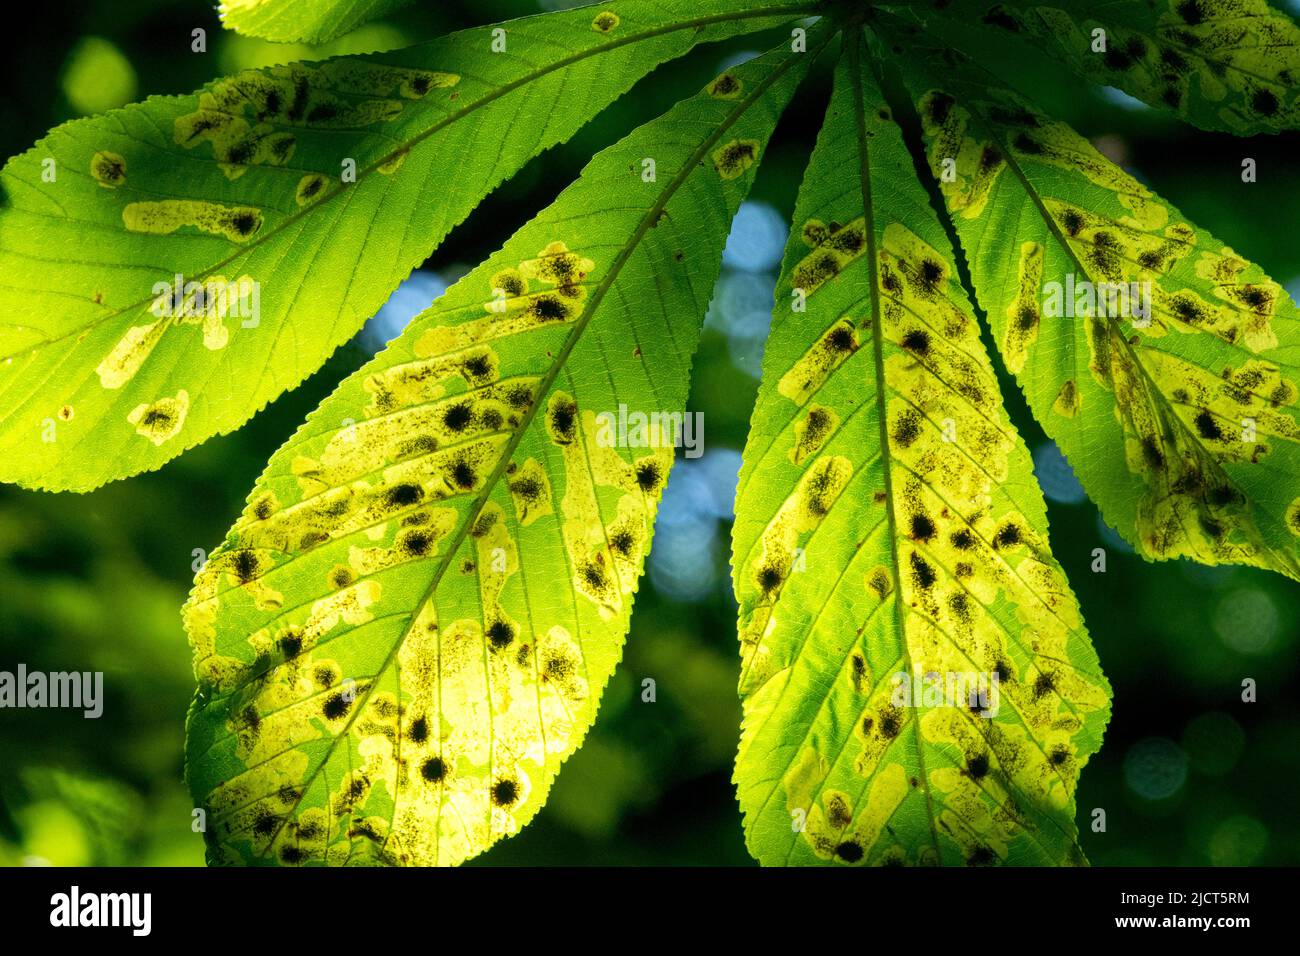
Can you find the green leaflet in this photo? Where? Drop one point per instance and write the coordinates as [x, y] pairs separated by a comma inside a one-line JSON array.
[[1228, 65], [888, 523], [107, 370], [305, 21], [1182, 425], [410, 626]]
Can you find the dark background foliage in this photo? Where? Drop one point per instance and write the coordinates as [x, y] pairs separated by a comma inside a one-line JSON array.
[[1189, 774]]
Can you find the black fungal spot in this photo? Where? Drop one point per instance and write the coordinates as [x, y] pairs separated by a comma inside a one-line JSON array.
[[962, 540], [1026, 317], [960, 604], [1227, 495], [266, 823], [1186, 309], [978, 766], [1105, 253], [922, 574], [548, 308], [1072, 221], [649, 476], [505, 792], [1258, 300], [1117, 59], [1044, 684], [291, 854], [841, 340], [923, 528], [594, 576], [477, 367], [907, 427], [245, 566], [519, 397], [419, 730], [1192, 12], [337, 706], [769, 578], [917, 342], [528, 488], [1008, 536], [433, 770], [458, 417], [891, 722], [981, 856], [245, 223], [1207, 427], [849, 240], [462, 475], [416, 543], [403, 495], [929, 275], [564, 415], [500, 634], [849, 852], [1059, 755], [290, 645], [622, 542], [310, 830]]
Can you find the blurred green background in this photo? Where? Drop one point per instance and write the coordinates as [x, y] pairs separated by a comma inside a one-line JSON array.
[[1189, 774]]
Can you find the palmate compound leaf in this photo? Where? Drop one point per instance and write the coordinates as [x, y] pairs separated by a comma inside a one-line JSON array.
[[1230, 65], [301, 21], [409, 628], [106, 369], [888, 523], [1180, 419]]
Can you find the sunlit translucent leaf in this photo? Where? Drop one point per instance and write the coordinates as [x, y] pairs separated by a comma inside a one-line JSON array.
[[307, 21], [104, 372], [1181, 424], [1221, 64], [410, 626], [888, 523]]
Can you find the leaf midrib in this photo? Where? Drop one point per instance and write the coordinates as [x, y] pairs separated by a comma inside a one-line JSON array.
[[877, 345]]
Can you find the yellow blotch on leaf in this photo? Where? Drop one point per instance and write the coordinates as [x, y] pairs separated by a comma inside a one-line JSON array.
[[236, 223], [109, 169], [733, 159], [162, 419]]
